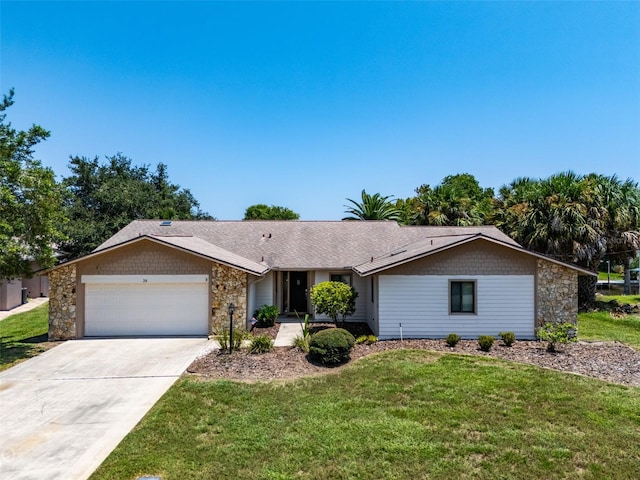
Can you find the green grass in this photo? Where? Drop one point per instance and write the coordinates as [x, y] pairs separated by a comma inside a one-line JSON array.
[[24, 335], [613, 276], [602, 326], [399, 415], [630, 299]]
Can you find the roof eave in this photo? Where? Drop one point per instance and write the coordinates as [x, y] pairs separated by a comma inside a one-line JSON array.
[[479, 236], [258, 272]]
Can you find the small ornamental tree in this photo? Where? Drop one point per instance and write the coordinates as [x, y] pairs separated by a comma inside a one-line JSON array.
[[335, 299], [554, 333]]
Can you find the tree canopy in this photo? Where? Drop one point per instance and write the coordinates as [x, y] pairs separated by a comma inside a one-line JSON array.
[[457, 201], [104, 197], [261, 211], [30, 200]]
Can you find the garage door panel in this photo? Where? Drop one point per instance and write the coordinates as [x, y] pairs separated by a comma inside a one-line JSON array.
[[146, 309]]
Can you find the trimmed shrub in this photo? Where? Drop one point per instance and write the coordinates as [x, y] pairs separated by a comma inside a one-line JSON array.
[[261, 344], [331, 346], [452, 339], [485, 342], [335, 299], [508, 338], [267, 315]]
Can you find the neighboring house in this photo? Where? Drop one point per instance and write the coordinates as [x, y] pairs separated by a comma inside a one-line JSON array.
[[178, 278], [11, 291]]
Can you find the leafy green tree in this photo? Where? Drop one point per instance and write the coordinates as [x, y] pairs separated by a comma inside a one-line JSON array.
[[335, 299], [261, 211], [457, 201], [372, 207], [103, 198], [30, 200]]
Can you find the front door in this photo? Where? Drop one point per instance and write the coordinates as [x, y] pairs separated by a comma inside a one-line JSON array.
[[298, 292]]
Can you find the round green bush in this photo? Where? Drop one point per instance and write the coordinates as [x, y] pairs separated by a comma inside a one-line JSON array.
[[452, 339], [331, 346], [485, 342], [508, 338]]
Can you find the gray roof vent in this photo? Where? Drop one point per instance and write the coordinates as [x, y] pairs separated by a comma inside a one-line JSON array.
[[166, 223]]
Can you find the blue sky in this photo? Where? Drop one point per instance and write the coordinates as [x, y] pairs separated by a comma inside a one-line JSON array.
[[305, 104]]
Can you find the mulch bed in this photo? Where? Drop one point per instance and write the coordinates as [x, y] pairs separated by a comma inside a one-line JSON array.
[[609, 361], [269, 331]]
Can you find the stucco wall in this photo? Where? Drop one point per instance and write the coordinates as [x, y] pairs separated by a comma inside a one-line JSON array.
[[556, 293], [478, 258], [228, 285], [62, 303], [10, 294]]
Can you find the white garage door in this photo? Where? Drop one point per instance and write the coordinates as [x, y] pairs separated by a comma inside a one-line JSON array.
[[130, 305]]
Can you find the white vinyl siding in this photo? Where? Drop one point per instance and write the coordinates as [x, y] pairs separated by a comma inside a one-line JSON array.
[[421, 304], [261, 293], [146, 308]]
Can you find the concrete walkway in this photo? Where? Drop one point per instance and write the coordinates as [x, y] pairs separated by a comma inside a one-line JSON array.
[[31, 304], [287, 334], [63, 412]]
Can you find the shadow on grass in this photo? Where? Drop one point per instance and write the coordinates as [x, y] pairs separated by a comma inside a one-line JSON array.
[[37, 339], [12, 351]]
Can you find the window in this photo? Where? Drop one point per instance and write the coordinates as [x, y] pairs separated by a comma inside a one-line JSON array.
[[463, 297], [341, 277]]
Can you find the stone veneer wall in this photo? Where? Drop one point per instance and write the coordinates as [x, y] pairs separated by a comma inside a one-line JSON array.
[[228, 285], [62, 303], [556, 293]]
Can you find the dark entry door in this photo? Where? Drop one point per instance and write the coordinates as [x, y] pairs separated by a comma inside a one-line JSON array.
[[298, 291]]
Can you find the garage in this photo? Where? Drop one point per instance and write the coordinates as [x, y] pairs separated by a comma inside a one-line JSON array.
[[151, 305]]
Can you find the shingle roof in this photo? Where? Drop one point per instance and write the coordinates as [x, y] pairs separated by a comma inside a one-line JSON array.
[[213, 252], [298, 245], [435, 244]]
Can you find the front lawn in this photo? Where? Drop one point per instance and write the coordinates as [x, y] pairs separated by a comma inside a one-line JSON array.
[[24, 335], [629, 299], [602, 326], [405, 414]]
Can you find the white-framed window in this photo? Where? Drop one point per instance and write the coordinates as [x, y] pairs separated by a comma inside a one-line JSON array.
[[462, 296]]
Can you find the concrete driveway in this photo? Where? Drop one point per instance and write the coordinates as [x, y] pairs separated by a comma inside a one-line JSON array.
[[63, 412]]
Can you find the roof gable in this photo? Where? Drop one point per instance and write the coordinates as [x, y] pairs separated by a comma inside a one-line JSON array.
[[435, 245], [191, 245]]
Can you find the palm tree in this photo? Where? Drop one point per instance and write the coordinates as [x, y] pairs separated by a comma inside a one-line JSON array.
[[559, 216], [372, 207], [621, 200]]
